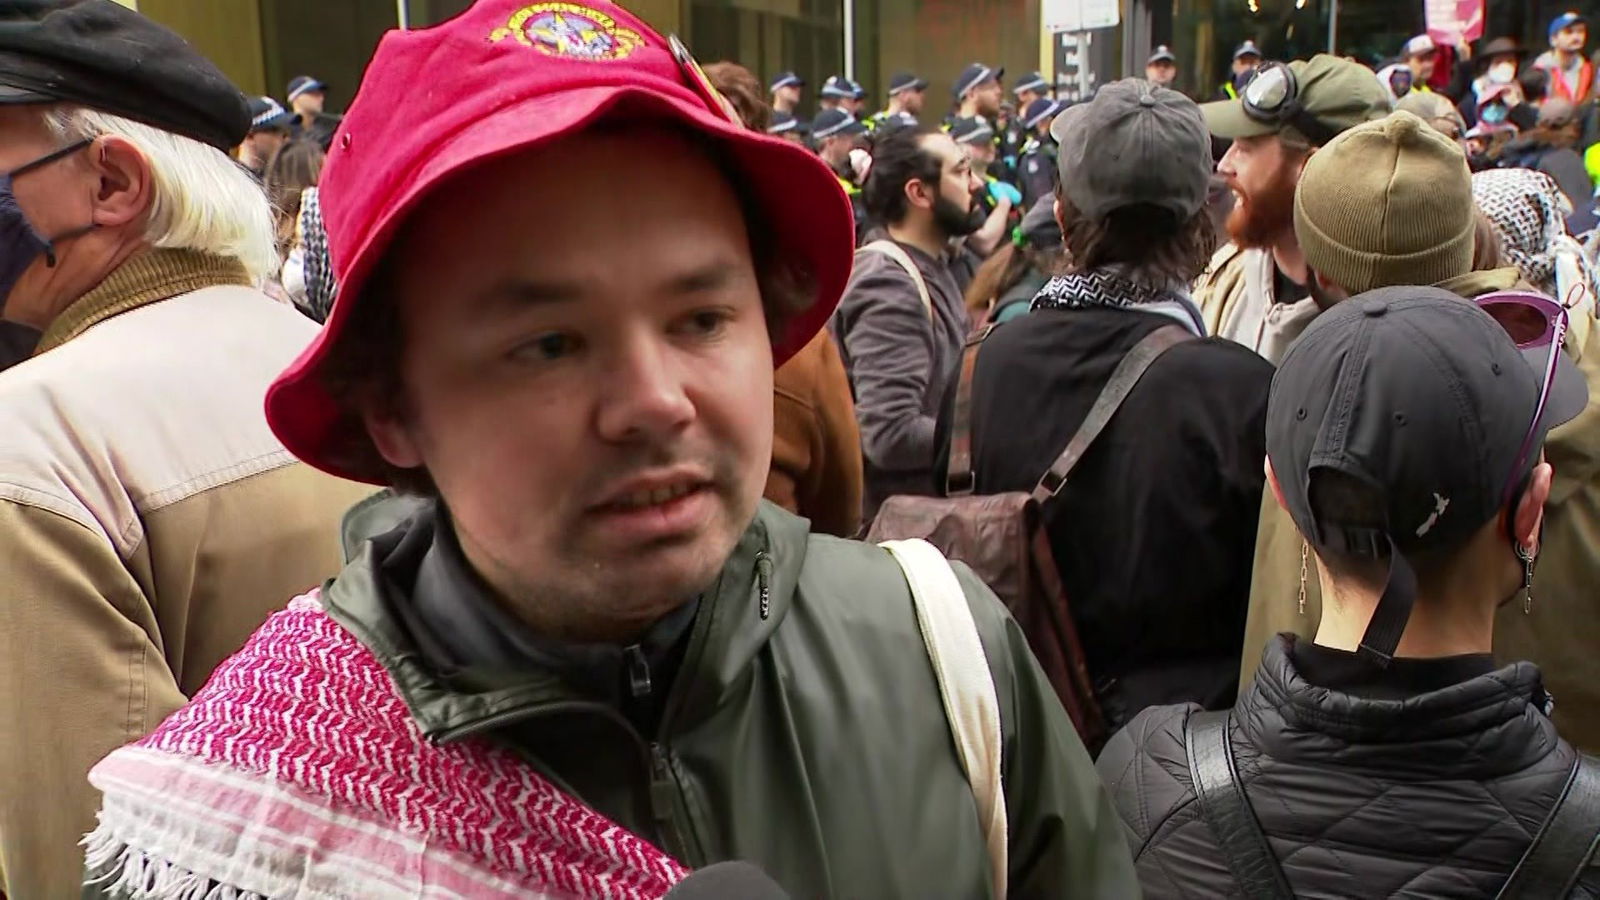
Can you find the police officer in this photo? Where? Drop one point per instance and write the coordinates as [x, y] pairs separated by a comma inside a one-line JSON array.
[[978, 93], [1030, 87], [907, 93], [1036, 167], [836, 133], [977, 136], [786, 88], [1162, 67], [839, 92], [787, 127], [1246, 60]]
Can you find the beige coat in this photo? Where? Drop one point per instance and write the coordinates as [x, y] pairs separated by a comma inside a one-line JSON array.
[[1563, 631], [1236, 300], [150, 521]]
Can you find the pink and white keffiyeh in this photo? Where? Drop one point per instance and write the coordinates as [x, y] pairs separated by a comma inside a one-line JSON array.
[[298, 771]]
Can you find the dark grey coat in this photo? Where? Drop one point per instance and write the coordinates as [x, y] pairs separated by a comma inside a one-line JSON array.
[[900, 361], [1436, 795]]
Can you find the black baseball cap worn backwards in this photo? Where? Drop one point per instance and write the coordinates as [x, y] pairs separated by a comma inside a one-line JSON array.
[[101, 55], [1421, 395]]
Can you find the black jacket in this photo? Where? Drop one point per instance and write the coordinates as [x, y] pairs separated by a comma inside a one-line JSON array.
[[1155, 531], [1431, 790]]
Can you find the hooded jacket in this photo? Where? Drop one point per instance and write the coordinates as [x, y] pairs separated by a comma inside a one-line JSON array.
[[800, 729], [1562, 631], [1432, 793]]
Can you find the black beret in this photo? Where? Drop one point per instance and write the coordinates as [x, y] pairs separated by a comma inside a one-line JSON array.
[[104, 56]]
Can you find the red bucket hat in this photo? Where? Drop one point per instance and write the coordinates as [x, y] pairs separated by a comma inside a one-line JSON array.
[[507, 75]]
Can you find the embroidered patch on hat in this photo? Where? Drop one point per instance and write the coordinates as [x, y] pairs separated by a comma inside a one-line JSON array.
[[570, 30]]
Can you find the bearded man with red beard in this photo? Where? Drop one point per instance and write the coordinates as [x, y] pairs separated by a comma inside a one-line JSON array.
[[1255, 289]]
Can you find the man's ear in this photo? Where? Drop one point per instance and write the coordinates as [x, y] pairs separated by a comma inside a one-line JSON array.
[[126, 190], [393, 438], [918, 194], [1527, 518]]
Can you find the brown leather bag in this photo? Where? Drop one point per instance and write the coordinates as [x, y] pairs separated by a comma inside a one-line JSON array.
[[1002, 538]]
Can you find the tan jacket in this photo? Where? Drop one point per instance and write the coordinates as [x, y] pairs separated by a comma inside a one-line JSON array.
[[1236, 300], [1563, 631], [150, 521], [816, 445]]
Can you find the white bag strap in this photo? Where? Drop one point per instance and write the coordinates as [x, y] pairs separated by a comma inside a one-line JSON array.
[[970, 703], [899, 255]]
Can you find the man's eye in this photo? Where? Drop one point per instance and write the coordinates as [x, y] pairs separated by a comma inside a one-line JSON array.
[[708, 322], [544, 348]]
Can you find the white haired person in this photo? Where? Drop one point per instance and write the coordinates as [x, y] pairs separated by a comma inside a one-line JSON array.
[[149, 520]]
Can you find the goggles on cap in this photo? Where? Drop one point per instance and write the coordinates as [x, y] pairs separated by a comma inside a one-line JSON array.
[[1272, 97]]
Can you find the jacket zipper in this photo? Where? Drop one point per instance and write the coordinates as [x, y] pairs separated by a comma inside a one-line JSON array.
[[764, 580], [652, 754]]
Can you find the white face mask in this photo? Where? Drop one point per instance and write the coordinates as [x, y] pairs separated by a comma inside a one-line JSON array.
[[1503, 73]]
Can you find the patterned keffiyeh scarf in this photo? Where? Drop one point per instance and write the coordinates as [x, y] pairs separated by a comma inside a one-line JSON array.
[[298, 771], [1107, 287], [320, 283], [1529, 211]]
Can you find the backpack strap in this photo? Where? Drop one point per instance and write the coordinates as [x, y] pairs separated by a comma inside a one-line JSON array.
[[1227, 809], [1566, 841], [898, 254], [1118, 387], [971, 702], [959, 477]]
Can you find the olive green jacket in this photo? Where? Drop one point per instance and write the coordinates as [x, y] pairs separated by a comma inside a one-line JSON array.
[[804, 732], [1563, 629]]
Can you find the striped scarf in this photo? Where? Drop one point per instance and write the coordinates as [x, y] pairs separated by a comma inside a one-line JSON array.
[[298, 771]]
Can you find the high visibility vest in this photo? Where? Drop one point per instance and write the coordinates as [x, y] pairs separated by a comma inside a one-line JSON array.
[[1230, 90], [848, 185]]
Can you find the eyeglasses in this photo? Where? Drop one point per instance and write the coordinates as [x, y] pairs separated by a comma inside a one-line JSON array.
[[1272, 96], [1532, 321]]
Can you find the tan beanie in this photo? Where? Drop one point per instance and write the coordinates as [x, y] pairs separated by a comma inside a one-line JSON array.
[[1386, 203]]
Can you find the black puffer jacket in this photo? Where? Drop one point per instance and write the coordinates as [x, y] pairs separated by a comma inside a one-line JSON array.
[[1437, 795]]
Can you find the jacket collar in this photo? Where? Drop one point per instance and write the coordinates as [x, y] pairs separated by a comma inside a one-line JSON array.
[[145, 278], [729, 629], [1480, 728], [1476, 284]]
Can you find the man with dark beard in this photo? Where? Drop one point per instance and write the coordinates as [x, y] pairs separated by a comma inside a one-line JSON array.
[[902, 323], [1254, 291]]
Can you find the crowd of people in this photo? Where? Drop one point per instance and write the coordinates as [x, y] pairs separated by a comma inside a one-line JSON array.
[[605, 481]]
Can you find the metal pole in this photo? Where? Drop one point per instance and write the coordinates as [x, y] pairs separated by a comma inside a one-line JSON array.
[[850, 39], [402, 14], [1333, 28]]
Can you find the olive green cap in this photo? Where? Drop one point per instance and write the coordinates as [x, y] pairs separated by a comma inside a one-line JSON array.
[[1336, 92]]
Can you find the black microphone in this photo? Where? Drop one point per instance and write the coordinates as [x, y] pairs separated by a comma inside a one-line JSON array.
[[728, 881]]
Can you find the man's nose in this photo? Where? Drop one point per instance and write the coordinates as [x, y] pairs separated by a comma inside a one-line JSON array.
[[644, 396]]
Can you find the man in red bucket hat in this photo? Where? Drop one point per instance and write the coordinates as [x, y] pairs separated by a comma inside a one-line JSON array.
[[582, 657]]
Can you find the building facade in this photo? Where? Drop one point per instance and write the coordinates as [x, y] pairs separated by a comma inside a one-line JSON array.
[[261, 44]]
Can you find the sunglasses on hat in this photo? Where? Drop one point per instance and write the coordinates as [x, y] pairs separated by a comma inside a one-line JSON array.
[[1532, 321], [1272, 96]]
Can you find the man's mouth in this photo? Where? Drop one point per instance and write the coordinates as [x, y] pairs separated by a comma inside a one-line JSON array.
[[655, 497]]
